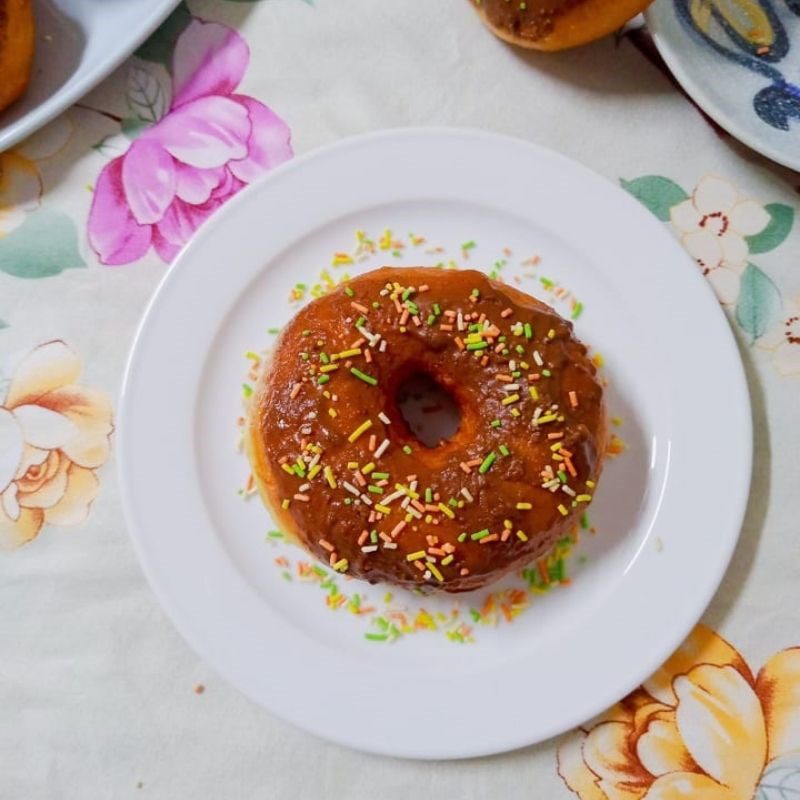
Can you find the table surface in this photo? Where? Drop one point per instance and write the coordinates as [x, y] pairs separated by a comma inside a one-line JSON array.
[[100, 695]]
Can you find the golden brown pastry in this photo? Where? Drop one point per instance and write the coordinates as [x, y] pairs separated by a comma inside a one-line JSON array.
[[556, 24], [342, 472], [16, 49]]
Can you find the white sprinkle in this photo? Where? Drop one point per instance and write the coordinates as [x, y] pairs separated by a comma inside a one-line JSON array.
[[460, 321], [538, 358], [390, 545], [314, 461], [537, 413], [391, 498], [382, 448], [512, 365], [305, 429], [365, 500], [426, 575], [510, 387], [405, 502], [384, 419], [350, 488], [553, 484], [567, 490], [370, 337], [304, 488], [467, 495], [382, 348], [369, 548], [414, 513], [311, 415], [413, 486]]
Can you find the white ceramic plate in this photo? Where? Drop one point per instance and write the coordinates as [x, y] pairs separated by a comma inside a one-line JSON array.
[[668, 511], [725, 75], [78, 43]]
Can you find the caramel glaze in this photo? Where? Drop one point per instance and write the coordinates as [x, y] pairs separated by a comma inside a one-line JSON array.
[[281, 426], [530, 21]]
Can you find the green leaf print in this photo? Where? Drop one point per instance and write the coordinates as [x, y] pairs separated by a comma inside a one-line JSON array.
[[131, 128], [657, 193], [759, 302], [778, 228], [160, 46], [3, 324], [44, 245], [145, 95], [781, 779]]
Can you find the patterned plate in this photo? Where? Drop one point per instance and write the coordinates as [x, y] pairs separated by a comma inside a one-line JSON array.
[[740, 61]]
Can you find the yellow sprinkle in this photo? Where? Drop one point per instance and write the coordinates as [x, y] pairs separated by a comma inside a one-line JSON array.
[[598, 360], [435, 572], [507, 401], [352, 465], [314, 471], [286, 468], [590, 484], [367, 468], [383, 509], [534, 393], [362, 428], [329, 368], [563, 511], [332, 413], [583, 498], [341, 565], [285, 504], [556, 447], [415, 556], [515, 412], [447, 560], [329, 477], [545, 418], [551, 334], [521, 536], [508, 524], [524, 506], [446, 511], [356, 351]]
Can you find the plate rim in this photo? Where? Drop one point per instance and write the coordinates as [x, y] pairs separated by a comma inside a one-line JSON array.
[[67, 95], [507, 742], [694, 89]]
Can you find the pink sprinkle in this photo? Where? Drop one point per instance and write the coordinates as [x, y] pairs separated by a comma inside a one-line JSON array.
[[397, 529]]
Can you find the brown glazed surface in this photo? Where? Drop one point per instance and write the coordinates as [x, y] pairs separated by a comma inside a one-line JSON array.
[[556, 24], [290, 411]]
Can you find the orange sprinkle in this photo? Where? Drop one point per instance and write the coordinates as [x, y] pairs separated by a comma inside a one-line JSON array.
[[543, 570], [484, 361], [559, 435], [474, 462], [445, 327], [570, 467], [504, 378], [463, 571], [368, 356], [358, 307], [464, 466], [573, 399], [420, 565], [506, 312], [397, 529], [459, 344], [373, 442], [486, 539], [534, 376], [505, 534], [436, 551], [295, 391]]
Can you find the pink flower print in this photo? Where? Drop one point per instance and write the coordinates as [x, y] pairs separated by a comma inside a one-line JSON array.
[[209, 145]]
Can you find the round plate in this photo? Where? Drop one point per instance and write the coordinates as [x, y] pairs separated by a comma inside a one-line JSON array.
[[739, 80], [667, 523], [78, 43]]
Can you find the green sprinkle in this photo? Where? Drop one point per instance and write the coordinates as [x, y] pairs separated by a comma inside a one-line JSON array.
[[406, 449], [323, 379], [323, 357], [376, 637], [286, 576], [304, 356], [520, 349], [476, 537], [546, 373], [475, 293], [487, 463], [436, 309], [431, 319], [374, 489], [504, 450], [247, 389], [475, 614], [273, 331], [381, 476], [462, 537], [429, 495], [585, 521], [348, 501], [468, 246], [362, 376], [376, 305], [495, 423], [477, 345], [528, 330], [373, 537], [360, 322], [349, 292], [306, 332], [452, 502], [406, 294], [275, 534], [562, 476], [474, 328], [576, 311]]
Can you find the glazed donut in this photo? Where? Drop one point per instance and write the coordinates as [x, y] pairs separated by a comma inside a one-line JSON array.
[[16, 49], [556, 24], [342, 471]]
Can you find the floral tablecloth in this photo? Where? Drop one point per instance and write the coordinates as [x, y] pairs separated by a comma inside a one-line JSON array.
[[99, 695]]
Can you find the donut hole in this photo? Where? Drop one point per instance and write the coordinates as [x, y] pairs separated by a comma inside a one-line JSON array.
[[429, 410]]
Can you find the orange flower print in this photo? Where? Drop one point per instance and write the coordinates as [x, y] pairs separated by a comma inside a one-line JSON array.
[[54, 435], [702, 728]]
